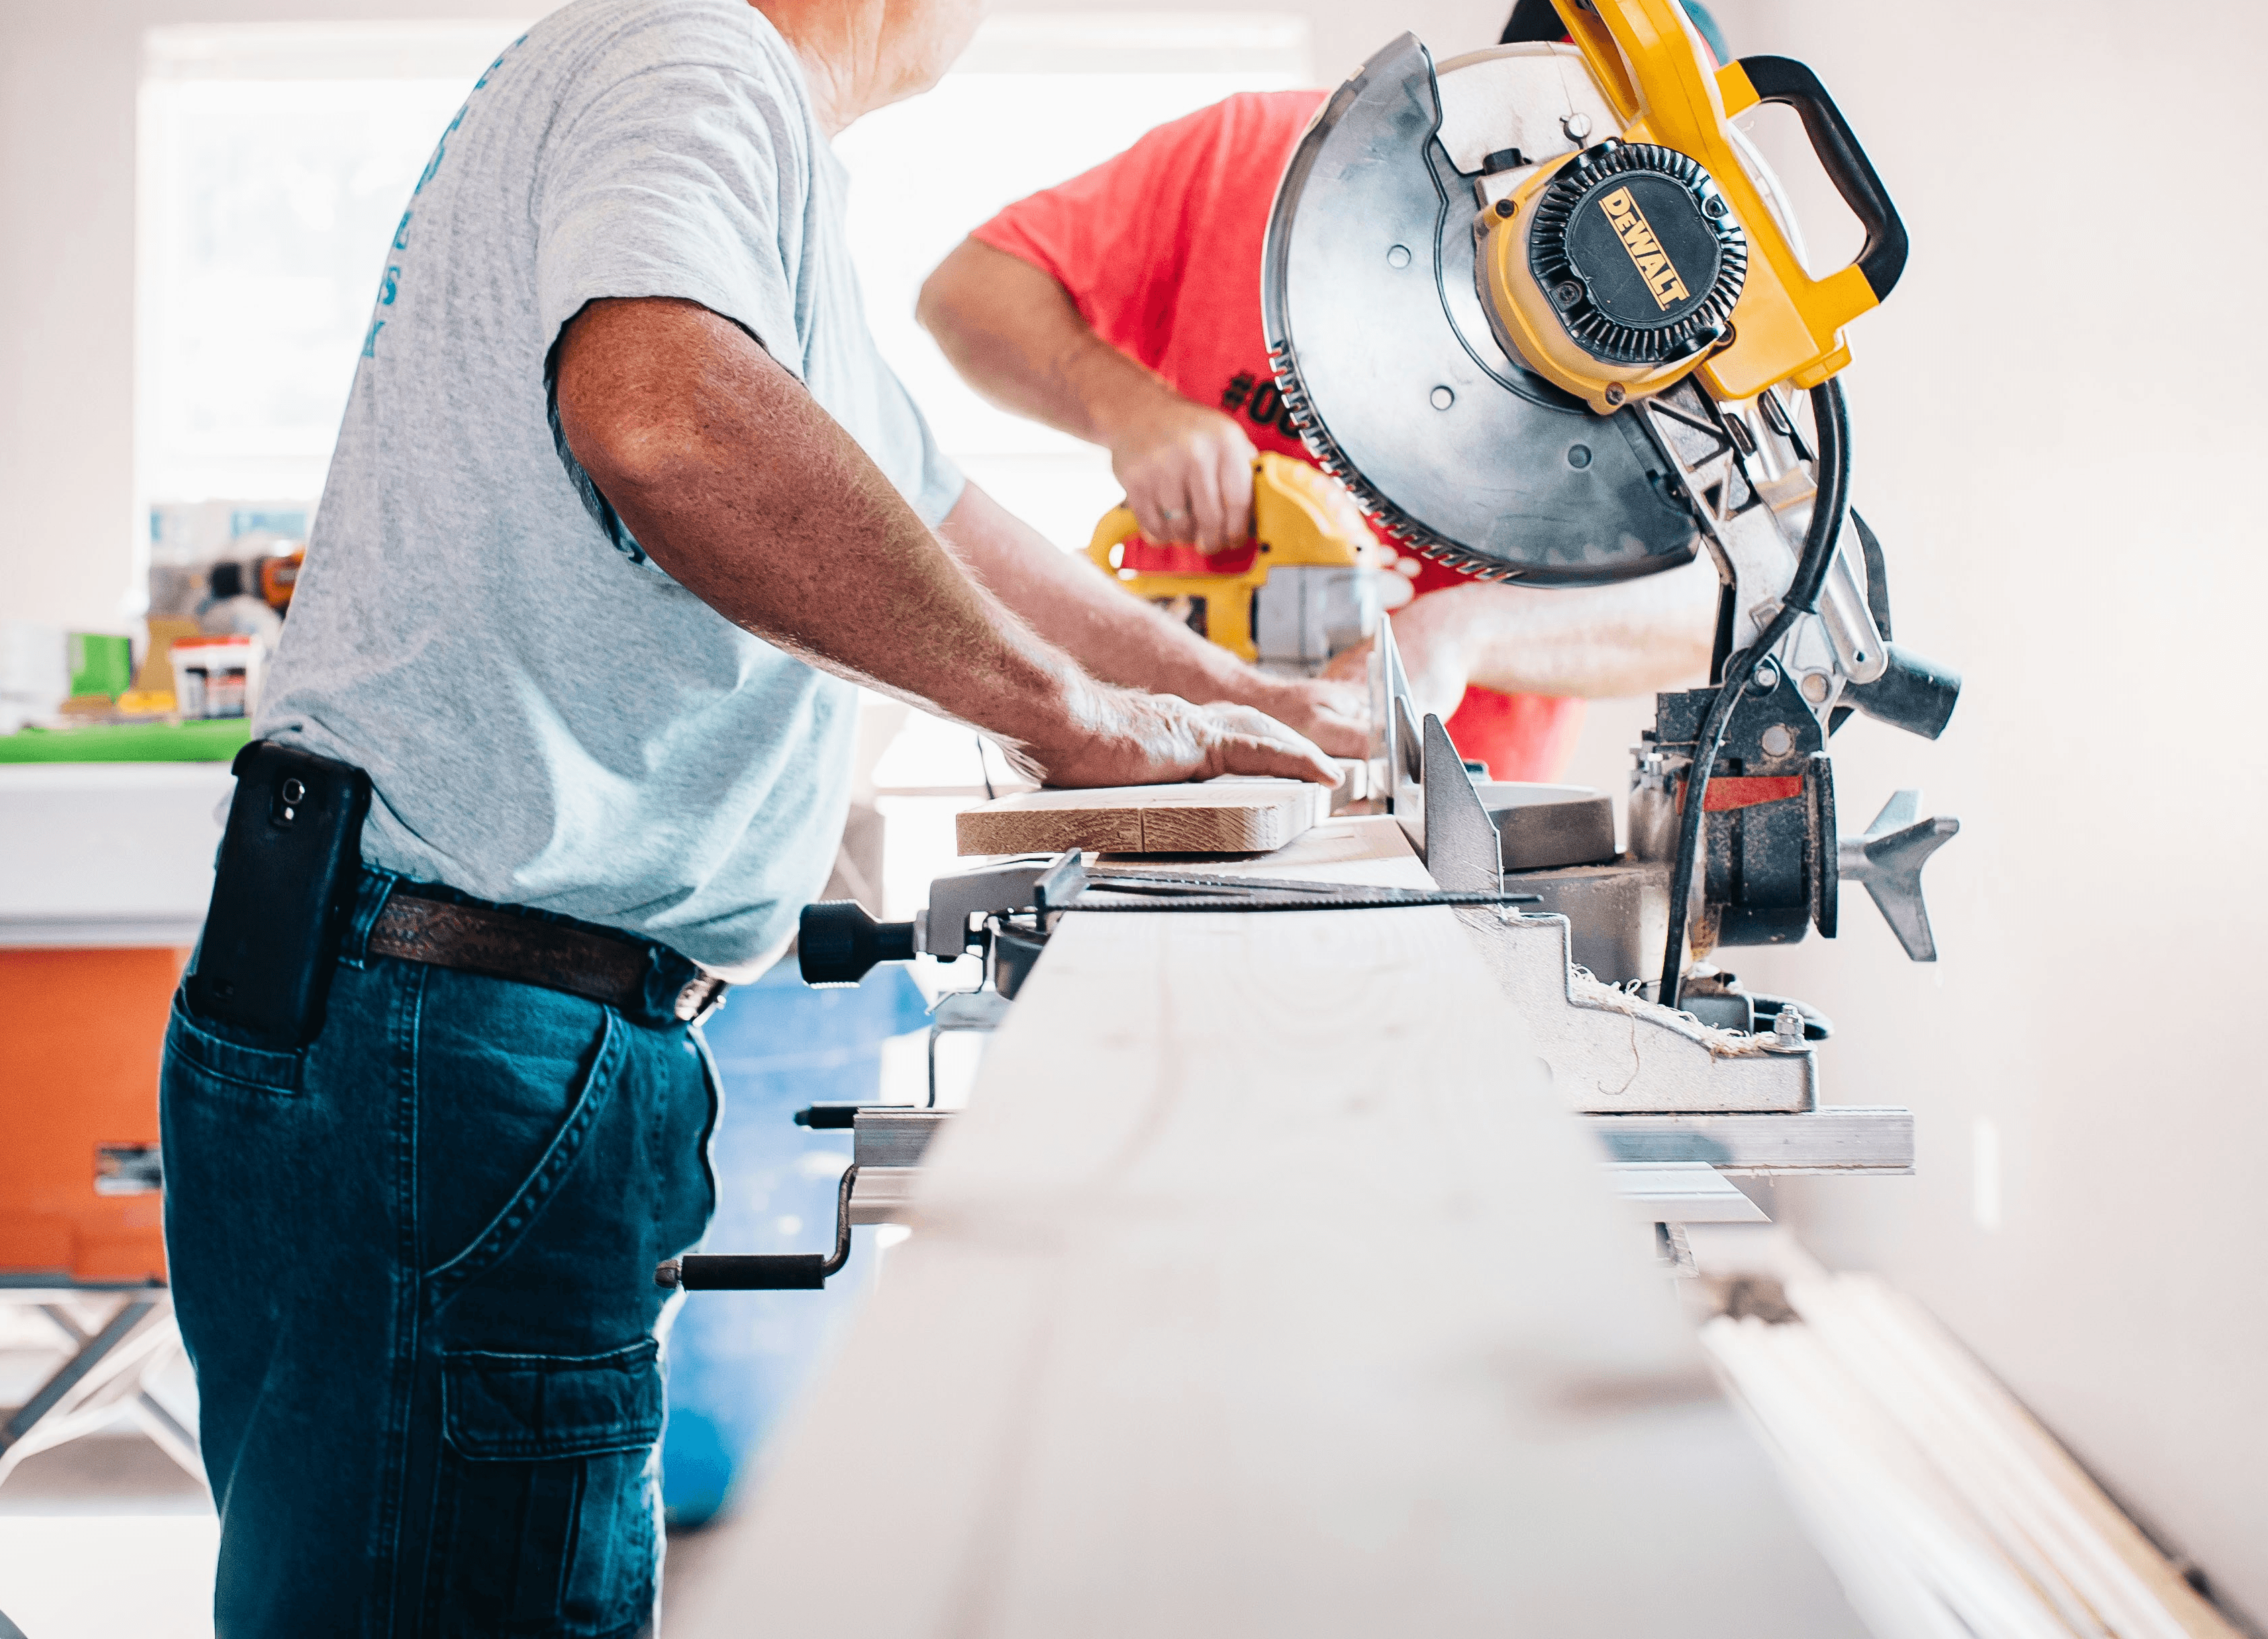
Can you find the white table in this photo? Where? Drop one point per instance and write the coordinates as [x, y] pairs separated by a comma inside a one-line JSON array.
[[108, 854]]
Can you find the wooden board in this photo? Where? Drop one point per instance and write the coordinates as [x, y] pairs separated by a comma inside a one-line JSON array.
[[1264, 1290], [1227, 816], [1943, 1505]]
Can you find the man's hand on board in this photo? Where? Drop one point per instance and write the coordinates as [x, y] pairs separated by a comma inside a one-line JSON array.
[[1134, 739], [1332, 713]]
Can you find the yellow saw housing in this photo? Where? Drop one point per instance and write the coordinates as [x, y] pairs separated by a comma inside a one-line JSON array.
[[1617, 271], [1301, 520]]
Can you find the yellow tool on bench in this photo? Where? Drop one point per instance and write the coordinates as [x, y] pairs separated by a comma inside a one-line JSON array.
[[1307, 586]]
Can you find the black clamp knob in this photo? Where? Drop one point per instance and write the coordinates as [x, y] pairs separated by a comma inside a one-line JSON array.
[[838, 943]]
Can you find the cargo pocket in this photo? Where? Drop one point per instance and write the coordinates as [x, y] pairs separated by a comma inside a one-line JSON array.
[[546, 1523]]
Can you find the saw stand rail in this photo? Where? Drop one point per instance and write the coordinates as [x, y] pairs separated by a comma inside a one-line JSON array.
[[1679, 1110]]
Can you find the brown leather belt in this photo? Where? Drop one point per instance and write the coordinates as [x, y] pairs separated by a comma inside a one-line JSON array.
[[477, 939]]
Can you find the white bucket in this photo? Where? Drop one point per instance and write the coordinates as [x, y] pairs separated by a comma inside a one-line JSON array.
[[34, 673]]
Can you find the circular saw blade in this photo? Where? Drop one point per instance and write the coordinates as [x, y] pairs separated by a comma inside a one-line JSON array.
[[1380, 348]]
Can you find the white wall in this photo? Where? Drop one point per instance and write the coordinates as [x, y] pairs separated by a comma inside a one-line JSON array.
[[2056, 434], [67, 88]]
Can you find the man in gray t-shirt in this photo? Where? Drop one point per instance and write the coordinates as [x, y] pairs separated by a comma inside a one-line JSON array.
[[624, 502], [652, 734]]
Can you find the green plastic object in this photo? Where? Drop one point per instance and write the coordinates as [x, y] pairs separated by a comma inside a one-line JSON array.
[[217, 739], [100, 663]]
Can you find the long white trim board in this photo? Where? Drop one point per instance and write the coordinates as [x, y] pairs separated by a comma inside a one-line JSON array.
[[1263, 1291]]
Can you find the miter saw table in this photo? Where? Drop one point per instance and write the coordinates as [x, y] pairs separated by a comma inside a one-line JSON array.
[[1679, 1106], [1546, 311]]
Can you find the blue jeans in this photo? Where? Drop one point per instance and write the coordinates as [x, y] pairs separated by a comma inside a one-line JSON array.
[[413, 1263]]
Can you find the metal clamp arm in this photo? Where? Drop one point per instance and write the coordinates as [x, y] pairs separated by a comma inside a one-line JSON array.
[[784, 1272]]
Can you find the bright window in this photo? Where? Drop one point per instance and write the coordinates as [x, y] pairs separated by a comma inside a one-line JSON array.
[[274, 161], [1037, 100], [276, 156]]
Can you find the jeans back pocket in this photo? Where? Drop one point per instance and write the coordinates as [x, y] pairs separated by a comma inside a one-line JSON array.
[[547, 1521]]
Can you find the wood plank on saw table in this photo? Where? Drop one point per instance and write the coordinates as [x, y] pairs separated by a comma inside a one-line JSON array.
[[1263, 1290], [1224, 816]]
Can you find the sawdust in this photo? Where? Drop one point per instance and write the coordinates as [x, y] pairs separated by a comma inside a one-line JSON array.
[[1585, 990]]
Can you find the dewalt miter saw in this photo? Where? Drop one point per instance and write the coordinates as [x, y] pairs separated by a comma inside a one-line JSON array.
[[1542, 309]]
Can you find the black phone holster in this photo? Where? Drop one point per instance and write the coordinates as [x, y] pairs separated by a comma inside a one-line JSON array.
[[283, 889]]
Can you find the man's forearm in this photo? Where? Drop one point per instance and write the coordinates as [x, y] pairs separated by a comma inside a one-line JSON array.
[[1016, 336], [1068, 601], [1020, 339], [1598, 643], [761, 506], [758, 502]]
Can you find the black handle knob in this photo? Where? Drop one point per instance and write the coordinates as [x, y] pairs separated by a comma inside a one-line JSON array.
[[730, 1271], [1914, 693], [838, 943]]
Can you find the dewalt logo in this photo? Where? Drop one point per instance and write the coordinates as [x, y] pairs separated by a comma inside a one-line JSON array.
[[1646, 253]]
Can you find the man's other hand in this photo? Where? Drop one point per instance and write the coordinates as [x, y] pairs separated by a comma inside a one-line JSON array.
[[1592, 642], [1151, 739], [1332, 713], [1435, 659], [1187, 471]]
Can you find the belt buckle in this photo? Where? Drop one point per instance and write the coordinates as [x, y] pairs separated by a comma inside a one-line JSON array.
[[702, 995]]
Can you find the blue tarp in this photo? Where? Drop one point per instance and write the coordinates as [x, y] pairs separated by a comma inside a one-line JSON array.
[[738, 1359]]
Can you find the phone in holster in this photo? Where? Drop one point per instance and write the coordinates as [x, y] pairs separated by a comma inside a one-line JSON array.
[[284, 886]]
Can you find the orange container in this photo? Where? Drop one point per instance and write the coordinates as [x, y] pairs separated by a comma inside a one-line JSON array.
[[81, 1034]]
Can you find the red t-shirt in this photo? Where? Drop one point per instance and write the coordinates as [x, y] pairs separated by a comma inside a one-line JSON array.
[[1159, 249]]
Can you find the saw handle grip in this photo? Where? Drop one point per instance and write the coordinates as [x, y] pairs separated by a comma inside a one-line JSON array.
[[1783, 79]]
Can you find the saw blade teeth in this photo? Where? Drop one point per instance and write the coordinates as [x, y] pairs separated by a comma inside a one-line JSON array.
[[1390, 519]]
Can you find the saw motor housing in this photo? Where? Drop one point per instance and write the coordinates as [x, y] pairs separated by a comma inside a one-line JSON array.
[[1615, 271]]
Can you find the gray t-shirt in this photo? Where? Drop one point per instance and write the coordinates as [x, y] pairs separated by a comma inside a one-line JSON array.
[[549, 720]]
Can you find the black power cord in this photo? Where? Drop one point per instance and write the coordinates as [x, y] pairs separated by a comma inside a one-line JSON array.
[[1833, 428]]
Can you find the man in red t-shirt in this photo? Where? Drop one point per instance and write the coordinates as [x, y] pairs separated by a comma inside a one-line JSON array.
[[1123, 308]]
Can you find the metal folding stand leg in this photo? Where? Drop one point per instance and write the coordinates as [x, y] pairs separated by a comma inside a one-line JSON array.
[[973, 1011], [107, 1373]]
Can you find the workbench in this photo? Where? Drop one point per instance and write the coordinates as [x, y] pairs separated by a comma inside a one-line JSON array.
[[1263, 1290], [104, 877]]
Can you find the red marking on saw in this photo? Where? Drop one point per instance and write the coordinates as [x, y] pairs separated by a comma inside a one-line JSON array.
[[1151, 557], [1746, 791]]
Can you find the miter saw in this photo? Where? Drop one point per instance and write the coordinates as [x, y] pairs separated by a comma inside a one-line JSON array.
[[1542, 310]]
